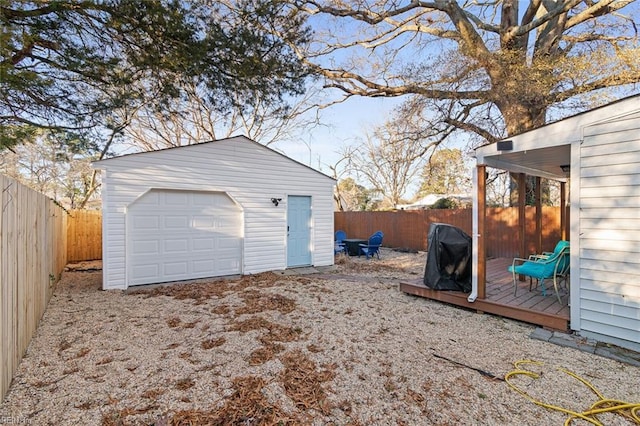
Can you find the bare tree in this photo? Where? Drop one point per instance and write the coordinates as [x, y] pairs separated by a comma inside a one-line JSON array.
[[487, 67], [498, 188], [191, 119], [338, 171], [391, 156], [54, 164]]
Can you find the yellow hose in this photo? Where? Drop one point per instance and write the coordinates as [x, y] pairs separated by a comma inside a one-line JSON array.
[[602, 405]]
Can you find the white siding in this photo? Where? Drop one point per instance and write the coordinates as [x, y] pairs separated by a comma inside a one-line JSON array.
[[609, 235], [248, 172]]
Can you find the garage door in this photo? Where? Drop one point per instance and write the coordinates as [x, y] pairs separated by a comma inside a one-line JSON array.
[[178, 235]]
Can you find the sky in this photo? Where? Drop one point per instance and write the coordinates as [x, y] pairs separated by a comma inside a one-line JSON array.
[[347, 122], [343, 125]]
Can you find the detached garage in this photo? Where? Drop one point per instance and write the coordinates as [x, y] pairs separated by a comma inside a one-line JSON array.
[[218, 208]]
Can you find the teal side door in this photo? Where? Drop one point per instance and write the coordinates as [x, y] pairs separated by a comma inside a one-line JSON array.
[[298, 231]]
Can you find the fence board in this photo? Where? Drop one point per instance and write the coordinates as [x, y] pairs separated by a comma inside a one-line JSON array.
[[409, 229], [84, 235], [32, 249]]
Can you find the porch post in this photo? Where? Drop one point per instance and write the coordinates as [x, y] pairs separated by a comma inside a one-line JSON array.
[[482, 229], [563, 211], [538, 192], [522, 219]]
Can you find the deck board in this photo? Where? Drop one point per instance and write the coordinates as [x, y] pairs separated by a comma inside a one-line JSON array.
[[529, 306]]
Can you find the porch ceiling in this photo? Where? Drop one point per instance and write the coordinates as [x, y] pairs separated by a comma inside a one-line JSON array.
[[543, 162]]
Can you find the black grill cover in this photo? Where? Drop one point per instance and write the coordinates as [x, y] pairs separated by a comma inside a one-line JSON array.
[[449, 259]]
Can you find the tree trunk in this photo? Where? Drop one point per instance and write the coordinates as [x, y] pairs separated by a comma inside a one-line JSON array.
[[521, 115]]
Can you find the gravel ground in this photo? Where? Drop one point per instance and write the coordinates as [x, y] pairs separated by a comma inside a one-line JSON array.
[[338, 348]]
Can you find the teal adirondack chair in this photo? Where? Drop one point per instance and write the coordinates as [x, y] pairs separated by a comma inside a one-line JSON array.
[[553, 265]]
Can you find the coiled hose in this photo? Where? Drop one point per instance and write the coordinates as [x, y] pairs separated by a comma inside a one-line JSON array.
[[603, 405]]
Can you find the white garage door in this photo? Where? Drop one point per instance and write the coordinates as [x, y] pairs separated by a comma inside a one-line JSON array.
[[177, 235]]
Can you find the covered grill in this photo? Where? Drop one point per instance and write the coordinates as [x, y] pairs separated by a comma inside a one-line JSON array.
[[448, 259]]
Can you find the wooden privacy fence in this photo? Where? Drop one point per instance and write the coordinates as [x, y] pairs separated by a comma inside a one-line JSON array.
[[33, 239], [84, 235], [409, 228], [403, 229]]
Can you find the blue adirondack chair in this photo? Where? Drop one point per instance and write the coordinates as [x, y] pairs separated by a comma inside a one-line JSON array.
[[372, 247], [339, 246], [553, 265]]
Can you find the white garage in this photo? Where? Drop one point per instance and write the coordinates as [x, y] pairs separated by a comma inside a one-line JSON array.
[[176, 235], [213, 209]]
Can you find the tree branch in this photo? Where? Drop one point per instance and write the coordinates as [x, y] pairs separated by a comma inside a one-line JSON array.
[[373, 89], [600, 8], [470, 127]]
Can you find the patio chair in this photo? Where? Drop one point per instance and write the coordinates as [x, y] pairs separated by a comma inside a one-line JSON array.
[[552, 265], [339, 245], [546, 254], [372, 247]]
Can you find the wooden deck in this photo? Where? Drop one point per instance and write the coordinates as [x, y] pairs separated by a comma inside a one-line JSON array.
[[528, 306]]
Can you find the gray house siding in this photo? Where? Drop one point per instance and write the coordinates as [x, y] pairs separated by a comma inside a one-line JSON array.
[[602, 147], [609, 236]]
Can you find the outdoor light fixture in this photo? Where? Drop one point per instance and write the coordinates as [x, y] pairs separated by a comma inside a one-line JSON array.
[[505, 145], [275, 201], [566, 168]]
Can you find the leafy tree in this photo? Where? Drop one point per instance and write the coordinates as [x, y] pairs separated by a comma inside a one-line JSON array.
[[353, 197], [445, 173], [445, 203], [487, 68], [68, 65]]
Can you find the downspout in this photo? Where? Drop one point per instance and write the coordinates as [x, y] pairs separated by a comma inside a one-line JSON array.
[[474, 238]]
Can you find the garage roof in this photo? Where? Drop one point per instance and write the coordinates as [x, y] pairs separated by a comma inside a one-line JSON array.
[[103, 164]]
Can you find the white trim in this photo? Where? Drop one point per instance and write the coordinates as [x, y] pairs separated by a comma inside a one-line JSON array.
[[105, 233], [512, 167], [474, 237], [574, 237], [107, 162], [562, 132]]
